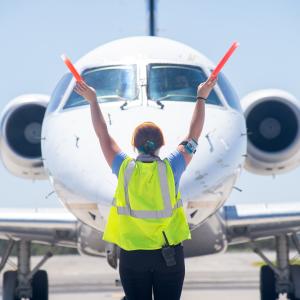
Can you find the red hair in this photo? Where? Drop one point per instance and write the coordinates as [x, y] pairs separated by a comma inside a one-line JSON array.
[[147, 138]]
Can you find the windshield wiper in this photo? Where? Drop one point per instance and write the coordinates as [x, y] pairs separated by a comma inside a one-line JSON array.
[[160, 104], [122, 107], [161, 98], [167, 97], [109, 98]]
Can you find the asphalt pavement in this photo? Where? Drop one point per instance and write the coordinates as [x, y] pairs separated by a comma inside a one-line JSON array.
[[223, 276]]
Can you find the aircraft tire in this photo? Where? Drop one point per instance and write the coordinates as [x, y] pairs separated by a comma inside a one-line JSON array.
[[40, 285], [267, 284], [295, 277], [9, 285]]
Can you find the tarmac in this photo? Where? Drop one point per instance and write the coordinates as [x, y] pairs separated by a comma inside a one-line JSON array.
[[223, 276]]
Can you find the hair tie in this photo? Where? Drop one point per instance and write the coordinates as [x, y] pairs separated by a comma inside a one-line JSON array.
[[147, 147]]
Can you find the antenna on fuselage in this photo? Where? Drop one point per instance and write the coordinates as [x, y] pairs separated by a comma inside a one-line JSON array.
[[152, 17]]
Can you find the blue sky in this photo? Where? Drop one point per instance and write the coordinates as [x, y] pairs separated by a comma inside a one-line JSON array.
[[35, 33]]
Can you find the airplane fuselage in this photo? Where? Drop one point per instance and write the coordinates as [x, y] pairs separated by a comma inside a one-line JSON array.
[[72, 154]]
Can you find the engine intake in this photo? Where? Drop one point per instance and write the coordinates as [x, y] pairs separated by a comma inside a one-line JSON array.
[[273, 119], [20, 139]]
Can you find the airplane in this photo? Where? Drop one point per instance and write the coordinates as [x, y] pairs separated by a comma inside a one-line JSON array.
[[137, 79]]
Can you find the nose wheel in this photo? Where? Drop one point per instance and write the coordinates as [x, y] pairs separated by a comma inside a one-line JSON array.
[[9, 285], [40, 285], [267, 284], [280, 278], [25, 283]]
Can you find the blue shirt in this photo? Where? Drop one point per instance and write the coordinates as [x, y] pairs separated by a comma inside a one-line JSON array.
[[175, 159]]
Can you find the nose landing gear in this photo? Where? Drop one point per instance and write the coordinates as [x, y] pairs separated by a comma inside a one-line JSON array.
[[279, 278], [24, 283]]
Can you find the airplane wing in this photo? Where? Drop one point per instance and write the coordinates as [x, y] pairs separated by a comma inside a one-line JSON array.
[[47, 225], [245, 222]]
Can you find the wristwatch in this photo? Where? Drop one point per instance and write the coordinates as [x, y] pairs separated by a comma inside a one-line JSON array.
[[190, 146]]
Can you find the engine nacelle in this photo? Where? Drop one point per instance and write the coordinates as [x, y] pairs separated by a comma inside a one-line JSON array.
[[273, 119], [20, 136]]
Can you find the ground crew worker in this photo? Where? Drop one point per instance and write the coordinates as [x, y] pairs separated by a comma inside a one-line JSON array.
[[147, 220]]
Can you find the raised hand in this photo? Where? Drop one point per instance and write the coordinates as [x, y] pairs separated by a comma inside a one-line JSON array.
[[87, 92], [205, 88]]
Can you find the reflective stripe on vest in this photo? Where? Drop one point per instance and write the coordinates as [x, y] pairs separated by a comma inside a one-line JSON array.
[[149, 214]]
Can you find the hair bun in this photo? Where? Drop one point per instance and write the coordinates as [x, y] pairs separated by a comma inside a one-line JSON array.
[[148, 147]]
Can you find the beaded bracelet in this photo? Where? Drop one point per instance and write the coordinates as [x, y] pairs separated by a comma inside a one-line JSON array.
[[202, 98]]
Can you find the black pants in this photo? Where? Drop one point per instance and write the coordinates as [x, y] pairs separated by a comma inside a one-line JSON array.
[[144, 271]]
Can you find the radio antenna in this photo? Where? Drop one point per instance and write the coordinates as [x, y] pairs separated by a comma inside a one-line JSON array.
[[152, 18]]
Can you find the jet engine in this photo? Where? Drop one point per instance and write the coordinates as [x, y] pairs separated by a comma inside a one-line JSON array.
[[272, 119], [20, 136]]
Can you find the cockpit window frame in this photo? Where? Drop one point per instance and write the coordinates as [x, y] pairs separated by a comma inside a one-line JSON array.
[[233, 104], [223, 103], [69, 89], [58, 94]]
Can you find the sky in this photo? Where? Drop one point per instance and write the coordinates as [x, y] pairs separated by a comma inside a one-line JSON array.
[[35, 33]]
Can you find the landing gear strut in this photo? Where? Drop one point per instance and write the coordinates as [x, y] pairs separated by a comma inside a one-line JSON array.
[[279, 278], [24, 283]]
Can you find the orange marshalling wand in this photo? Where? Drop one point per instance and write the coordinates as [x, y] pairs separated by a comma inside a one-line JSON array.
[[71, 67], [223, 61]]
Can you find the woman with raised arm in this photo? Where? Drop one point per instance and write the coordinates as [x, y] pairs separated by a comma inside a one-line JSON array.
[[147, 220]]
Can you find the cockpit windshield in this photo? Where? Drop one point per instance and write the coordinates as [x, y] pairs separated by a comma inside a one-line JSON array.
[[112, 83], [229, 92], [168, 82]]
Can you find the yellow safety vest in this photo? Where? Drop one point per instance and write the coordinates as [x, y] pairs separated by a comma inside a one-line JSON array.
[[145, 204]]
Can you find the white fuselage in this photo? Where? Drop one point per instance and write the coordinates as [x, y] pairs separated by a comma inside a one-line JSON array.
[[84, 181]]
